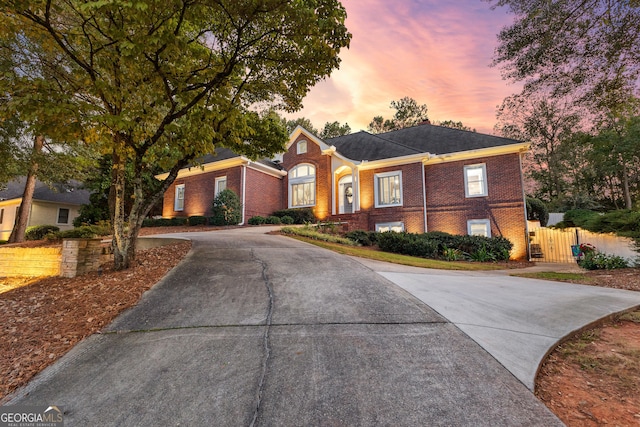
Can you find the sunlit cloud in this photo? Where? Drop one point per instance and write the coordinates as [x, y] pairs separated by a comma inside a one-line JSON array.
[[435, 52]]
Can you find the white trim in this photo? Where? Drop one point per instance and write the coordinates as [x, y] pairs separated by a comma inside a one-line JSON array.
[[307, 179], [485, 222], [424, 196], [390, 225], [244, 193], [480, 152], [216, 187], [376, 177], [299, 146], [394, 161], [175, 198], [485, 187]]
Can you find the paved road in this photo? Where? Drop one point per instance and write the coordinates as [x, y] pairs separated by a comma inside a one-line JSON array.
[[263, 330]]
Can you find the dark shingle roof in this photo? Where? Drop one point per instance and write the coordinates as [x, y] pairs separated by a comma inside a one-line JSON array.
[[224, 154], [417, 139], [70, 193]]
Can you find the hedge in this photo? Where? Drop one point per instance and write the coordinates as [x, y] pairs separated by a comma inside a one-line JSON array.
[[299, 215]]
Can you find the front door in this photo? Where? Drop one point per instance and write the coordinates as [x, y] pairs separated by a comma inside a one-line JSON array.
[[346, 195]]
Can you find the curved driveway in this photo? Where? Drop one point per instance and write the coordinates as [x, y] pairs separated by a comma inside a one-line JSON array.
[[254, 329]]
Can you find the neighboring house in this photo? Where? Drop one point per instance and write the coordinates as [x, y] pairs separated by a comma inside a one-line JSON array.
[[56, 205], [423, 178]]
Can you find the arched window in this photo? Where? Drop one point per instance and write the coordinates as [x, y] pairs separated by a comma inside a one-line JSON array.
[[302, 186]]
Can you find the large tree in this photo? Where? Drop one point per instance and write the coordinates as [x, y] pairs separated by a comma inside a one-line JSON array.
[[408, 113], [159, 83], [334, 129], [588, 49]]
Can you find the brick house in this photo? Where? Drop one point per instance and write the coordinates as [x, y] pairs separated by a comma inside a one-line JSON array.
[[423, 178]]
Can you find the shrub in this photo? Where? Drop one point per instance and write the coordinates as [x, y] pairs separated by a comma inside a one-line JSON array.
[[257, 220], [408, 244], [299, 215], [314, 234], [178, 221], [38, 232], [365, 238], [273, 220], [286, 219], [578, 217], [83, 232], [537, 211], [197, 220], [227, 209], [598, 261]]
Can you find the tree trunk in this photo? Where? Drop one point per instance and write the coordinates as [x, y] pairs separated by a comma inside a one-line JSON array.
[[20, 227]]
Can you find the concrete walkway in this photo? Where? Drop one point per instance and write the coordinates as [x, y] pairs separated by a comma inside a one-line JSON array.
[[253, 329], [517, 320]]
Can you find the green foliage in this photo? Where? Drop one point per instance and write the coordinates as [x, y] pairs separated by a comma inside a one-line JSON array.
[[272, 219], [197, 220], [82, 232], [286, 219], [579, 217], [227, 209], [444, 245], [599, 261], [299, 215], [454, 125], [537, 211], [622, 222], [38, 232], [316, 235], [257, 220], [408, 113], [365, 238], [334, 130], [161, 86]]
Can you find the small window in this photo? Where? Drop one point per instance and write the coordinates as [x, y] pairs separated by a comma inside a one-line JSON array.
[[475, 180], [221, 184], [397, 227], [388, 188], [1, 215], [179, 198], [479, 227], [63, 216], [302, 147]]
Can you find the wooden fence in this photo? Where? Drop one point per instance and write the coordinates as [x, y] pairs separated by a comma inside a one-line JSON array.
[[554, 245]]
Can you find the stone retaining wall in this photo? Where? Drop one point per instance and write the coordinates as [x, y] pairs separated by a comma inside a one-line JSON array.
[[30, 261]]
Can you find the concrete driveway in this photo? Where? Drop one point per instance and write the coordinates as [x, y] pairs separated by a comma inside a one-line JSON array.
[[254, 329]]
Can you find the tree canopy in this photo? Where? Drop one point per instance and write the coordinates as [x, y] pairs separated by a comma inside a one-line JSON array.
[[159, 83], [408, 113]]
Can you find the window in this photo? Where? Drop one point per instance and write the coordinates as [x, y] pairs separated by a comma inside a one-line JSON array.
[[302, 147], [479, 227], [63, 216], [179, 198], [1, 215], [398, 227], [475, 180], [302, 186], [221, 184], [388, 188]]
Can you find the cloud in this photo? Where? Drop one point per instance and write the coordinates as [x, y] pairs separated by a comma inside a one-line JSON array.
[[435, 52]]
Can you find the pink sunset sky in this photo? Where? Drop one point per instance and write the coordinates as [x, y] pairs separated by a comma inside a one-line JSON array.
[[436, 52]]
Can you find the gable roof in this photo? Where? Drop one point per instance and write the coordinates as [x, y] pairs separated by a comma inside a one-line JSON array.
[[426, 138], [69, 193]]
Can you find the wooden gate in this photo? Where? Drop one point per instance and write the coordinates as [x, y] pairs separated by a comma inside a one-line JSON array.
[[554, 245]]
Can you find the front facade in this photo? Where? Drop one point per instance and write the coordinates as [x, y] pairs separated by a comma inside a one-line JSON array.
[[55, 205], [425, 178]]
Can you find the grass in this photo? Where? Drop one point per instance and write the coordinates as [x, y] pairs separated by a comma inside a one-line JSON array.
[[397, 258], [562, 277]]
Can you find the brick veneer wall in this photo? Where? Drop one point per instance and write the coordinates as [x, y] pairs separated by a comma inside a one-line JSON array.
[[199, 192], [263, 195], [448, 209]]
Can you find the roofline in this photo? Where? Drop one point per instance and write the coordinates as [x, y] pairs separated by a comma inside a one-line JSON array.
[[394, 161], [300, 130], [222, 164], [480, 152]]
